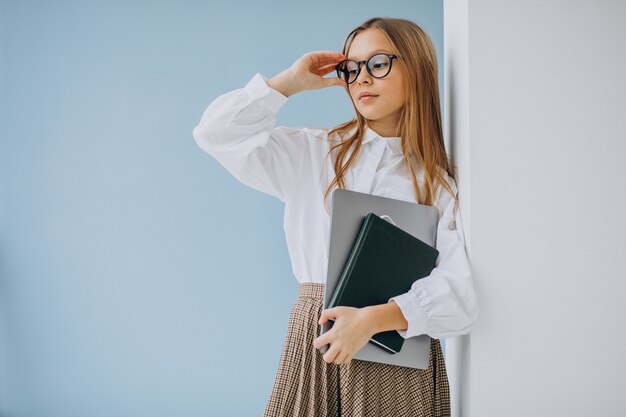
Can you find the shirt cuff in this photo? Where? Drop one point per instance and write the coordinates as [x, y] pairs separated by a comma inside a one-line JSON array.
[[413, 312], [259, 91]]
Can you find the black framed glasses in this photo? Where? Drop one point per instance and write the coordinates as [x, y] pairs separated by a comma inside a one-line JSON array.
[[378, 66]]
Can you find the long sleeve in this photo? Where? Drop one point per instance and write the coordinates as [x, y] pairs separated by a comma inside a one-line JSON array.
[[443, 304], [238, 130]]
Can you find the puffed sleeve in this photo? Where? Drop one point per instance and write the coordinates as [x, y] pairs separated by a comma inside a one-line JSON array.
[[443, 304], [238, 130]]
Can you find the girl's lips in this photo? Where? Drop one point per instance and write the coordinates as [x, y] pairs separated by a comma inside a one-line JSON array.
[[367, 98]]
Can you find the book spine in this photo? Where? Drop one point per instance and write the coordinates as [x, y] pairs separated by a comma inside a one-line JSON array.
[[382, 346], [342, 283]]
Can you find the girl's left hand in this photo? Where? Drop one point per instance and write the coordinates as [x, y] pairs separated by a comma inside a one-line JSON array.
[[349, 333]]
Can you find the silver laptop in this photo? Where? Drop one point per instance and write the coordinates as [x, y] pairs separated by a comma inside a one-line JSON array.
[[349, 208]]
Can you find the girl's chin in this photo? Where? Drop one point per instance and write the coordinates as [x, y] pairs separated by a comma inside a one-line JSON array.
[[370, 116], [367, 111]]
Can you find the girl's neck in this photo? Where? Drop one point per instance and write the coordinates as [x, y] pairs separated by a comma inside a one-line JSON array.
[[385, 130]]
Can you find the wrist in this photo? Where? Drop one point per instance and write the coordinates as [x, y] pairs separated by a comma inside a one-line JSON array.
[[385, 317], [282, 83]]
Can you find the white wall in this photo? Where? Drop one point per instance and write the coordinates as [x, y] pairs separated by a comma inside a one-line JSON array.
[[547, 101], [456, 132]]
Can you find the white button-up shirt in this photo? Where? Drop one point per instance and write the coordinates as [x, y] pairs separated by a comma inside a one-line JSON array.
[[239, 130]]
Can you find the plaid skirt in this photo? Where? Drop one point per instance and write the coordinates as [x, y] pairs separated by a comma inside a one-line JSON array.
[[305, 385]]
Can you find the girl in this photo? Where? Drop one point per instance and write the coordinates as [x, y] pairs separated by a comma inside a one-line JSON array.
[[394, 148]]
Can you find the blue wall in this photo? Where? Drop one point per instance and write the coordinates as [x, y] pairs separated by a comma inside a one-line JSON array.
[[137, 277]]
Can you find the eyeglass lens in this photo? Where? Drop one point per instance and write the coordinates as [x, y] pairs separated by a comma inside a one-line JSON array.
[[378, 66]]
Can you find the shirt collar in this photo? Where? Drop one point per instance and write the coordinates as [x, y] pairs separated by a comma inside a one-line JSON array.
[[394, 144]]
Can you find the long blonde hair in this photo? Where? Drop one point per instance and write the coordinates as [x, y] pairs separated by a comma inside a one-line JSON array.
[[420, 122]]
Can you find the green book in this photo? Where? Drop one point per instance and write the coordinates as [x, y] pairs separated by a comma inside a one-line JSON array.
[[384, 262]]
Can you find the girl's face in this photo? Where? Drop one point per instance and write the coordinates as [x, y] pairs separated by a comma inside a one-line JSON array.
[[382, 111]]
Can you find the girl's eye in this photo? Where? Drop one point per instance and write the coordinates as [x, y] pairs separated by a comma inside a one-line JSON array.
[[379, 65]]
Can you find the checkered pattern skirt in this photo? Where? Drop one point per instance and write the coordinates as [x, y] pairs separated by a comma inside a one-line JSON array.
[[305, 385]]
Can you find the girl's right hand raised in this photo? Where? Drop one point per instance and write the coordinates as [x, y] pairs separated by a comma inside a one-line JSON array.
[[308, 72]]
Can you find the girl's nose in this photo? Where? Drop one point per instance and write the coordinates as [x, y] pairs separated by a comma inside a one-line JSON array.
[[363, 76]]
